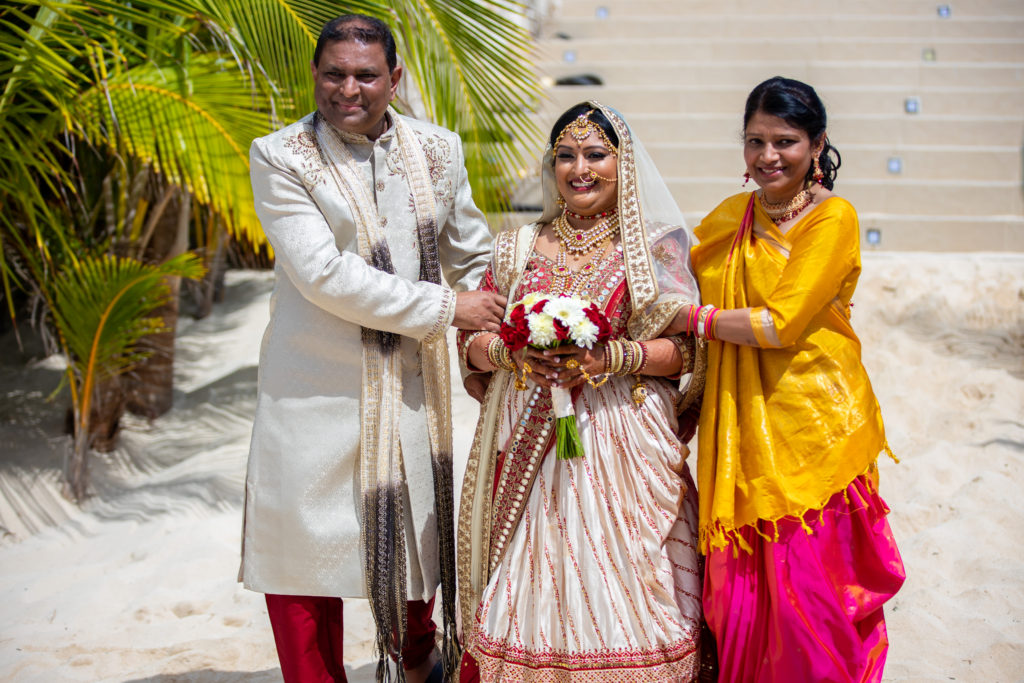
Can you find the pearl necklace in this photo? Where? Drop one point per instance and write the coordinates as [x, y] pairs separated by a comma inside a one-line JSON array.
[[579, 242], [780, 212]]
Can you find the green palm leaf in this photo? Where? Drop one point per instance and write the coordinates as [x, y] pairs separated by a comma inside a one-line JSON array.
[[195, 129], [101, 307]]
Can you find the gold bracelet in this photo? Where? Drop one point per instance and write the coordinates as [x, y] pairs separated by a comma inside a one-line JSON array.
[[613, 357], [573, 364], [520, 375], [498, 355], [683, 343], [464, 351], [632, 358], [703, 329]]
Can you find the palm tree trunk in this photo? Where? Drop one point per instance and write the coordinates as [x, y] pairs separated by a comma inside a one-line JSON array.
[[150, 387], [210, 289]]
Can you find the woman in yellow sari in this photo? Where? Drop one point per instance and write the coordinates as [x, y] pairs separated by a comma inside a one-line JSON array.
[[800, 557]]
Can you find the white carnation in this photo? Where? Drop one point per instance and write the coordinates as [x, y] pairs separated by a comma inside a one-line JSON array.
[[583, 332], [542, 329]]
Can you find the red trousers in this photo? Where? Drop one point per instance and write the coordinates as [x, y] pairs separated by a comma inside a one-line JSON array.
[[308, 635], [469, 671]]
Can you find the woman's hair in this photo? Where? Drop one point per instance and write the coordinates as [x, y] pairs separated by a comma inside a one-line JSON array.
[[798, 105], [574, 112]]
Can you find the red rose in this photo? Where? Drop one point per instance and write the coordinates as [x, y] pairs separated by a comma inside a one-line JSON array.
[[516, 332], [604, 328], [561, 331]]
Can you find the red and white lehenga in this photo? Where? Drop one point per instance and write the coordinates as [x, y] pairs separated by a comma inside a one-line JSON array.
[[585, 569]]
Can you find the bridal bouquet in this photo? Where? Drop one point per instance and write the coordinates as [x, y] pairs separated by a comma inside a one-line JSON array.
[[544, 321]]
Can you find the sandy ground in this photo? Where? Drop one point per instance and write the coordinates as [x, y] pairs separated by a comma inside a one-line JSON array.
[[139, 584]]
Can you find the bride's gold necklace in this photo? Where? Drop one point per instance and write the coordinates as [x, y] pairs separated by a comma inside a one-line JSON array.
[[579, 242], [780, 212], [566, 281]]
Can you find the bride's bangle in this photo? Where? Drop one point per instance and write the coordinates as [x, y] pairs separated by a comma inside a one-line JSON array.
[[498, 355], [464, 349]]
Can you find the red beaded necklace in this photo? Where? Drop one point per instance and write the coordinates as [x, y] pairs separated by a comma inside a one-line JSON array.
[[581, 217]]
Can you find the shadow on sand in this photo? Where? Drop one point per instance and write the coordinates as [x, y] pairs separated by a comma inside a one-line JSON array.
[[361, 674]]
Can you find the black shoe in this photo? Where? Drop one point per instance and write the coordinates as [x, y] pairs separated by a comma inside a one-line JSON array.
[[437, 673]]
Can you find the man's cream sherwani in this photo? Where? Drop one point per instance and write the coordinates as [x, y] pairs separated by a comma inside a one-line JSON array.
[[301, 531]]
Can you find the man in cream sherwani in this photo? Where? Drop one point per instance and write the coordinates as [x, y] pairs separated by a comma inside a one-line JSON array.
[[349, 490]]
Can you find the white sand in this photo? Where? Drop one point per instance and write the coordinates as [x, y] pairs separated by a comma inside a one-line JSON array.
[[139, 585]]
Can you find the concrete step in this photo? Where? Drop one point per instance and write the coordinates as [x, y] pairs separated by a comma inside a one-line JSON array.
[[805, 48], [859, 73], [852, 100], [895, 233], [895, 129], [863, 162], [698, 193], [956, 198], [757, 26], [924, 9]]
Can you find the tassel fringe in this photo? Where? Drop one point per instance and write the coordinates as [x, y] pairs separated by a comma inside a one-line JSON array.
[[717, 535]]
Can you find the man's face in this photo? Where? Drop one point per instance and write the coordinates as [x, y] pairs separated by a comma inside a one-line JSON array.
[[352, 86]]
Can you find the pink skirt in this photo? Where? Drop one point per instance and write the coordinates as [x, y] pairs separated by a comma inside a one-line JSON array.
[[807, 606]]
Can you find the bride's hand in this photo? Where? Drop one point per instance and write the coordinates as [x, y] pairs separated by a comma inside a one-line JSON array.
[[543, 369], [572, 361]]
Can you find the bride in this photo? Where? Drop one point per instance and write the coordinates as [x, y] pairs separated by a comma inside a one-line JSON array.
[[586, 569]]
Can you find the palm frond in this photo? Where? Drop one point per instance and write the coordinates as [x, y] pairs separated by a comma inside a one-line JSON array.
[[195, 130], [101, 308], [473, 65]]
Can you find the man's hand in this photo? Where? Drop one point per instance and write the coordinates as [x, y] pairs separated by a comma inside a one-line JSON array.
[[479, 311]]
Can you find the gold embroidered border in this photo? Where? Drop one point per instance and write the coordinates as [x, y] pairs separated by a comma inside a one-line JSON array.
[[504, 259], [500, 661], [639, 269], [475, 506], [530, 441]]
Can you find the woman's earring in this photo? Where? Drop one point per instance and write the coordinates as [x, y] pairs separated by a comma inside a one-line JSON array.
[[818, 175], [746, 179], [561, 201]]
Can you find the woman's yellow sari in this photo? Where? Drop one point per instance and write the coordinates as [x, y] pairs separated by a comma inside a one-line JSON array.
[[786, 425]]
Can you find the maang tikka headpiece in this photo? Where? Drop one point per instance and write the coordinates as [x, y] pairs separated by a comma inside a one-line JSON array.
[[581, 127]]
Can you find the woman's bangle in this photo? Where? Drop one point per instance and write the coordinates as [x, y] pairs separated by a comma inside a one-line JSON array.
[[613, 357], [705, 322], [464, 349], [683, 344], [498, 355], [713, 325], [692, 319], [634, 355]]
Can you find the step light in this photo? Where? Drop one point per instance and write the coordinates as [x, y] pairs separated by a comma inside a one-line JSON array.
[[894, 165], [873, 236], [912, 105], [944, 11], [928, 54], [601, 12]]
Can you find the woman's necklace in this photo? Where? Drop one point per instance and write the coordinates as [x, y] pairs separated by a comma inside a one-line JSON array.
[[579, 242], [579, 216], [566, 280], [781, 212]]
